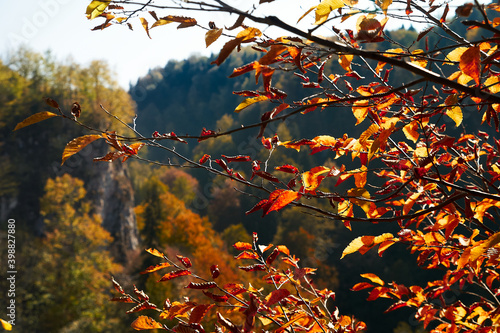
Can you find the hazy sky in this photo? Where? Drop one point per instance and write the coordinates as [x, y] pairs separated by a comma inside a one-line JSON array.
[[61, 26]]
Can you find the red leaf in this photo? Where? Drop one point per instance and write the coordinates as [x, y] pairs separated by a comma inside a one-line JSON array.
[[143, 306], [204, 285], [250, 313], [204, 158], [199, 312], [276, 296], [205, 134], [174, 274], [252, 268], [272, 256], [267, 176], [52, 103], [140, 294], [184, 261], [214, 270], [122, 299], [217, 298], [244, 69], [117, 286], [287, 168], [238, 158]]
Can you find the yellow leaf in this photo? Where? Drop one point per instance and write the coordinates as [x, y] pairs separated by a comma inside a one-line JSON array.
[[35, 119], [96, 8], [383, 4], [410, 131], [144, 23], [212, 35], [373, 278], [161, 22], [345, 61], [360, 110], [418, 61], [455, 55], [249, 33], [6, 325], [493, 84], [360, 193], [77, 144], [249, 101], [325, 7], [145, 323], [454, 111]]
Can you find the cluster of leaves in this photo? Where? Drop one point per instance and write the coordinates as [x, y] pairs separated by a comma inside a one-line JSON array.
[[437, 183], [287, 301]]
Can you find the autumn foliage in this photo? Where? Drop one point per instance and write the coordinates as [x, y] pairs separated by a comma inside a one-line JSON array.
[[416, 164]]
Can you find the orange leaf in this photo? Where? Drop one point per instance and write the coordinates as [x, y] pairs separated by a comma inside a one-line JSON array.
[[145, 323], [283, 199], [410, 131], [155, 268], [373, 278], [470, 63], [155, 252], [77, 144], [35, 119], [240, 246]]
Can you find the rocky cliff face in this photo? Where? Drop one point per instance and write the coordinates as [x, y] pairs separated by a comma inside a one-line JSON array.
[[110, 190]]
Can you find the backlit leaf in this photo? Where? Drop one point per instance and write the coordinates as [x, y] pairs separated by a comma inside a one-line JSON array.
[[284, 198], [96, 8], [470, 63], [410, 131], [155, 252], [145, 323], [276, 295], [77, 144], [373, 278], [37, 117], [325, 7], [155, 268], [240, 246]]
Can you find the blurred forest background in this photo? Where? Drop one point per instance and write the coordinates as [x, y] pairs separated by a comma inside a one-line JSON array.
[[81, 223]]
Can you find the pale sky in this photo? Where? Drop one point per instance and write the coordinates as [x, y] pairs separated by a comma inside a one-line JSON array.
[[61, 26]]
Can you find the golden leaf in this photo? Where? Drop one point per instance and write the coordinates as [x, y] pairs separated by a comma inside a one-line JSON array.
[[96, 8], [325, 7], [212, 35], [77, 144], [410, 131], [249, 101], [373, 278], [35, 119]]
